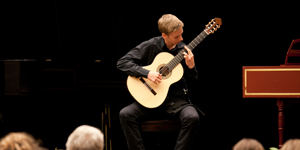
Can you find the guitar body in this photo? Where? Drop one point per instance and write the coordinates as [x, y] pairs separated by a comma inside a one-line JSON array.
[[142, 93]]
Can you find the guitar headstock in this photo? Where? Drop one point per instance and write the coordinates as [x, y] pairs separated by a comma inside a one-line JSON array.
[[213, 25]]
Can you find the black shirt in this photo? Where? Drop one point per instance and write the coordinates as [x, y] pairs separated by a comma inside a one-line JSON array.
[[144, 54]]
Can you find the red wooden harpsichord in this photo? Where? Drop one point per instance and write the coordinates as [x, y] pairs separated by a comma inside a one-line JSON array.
[[275, 82]]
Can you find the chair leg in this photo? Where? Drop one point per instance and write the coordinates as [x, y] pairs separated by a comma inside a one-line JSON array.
[[158, 142]]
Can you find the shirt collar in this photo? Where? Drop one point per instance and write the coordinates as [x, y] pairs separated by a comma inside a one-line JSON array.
[[164, 46]]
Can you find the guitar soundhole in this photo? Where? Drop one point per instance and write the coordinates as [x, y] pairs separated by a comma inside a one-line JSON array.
[[164, 71]]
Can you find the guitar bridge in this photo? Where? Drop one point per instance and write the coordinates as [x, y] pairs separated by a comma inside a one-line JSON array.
[[148, 86]]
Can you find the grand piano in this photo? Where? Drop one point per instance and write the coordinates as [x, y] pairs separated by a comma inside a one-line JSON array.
[[280, 82]]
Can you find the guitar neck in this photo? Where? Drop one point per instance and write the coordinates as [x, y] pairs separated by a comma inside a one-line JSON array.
[[179, 57], [197, 40]]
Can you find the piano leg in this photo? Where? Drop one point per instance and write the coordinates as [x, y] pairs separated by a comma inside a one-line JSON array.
[[280, 121]]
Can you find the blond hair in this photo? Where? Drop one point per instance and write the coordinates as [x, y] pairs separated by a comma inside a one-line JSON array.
[[19, 141], [291, 144], [248, 144], [85, 137], [169, 23]]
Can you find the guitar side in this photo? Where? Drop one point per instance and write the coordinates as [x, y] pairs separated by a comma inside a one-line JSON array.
[[143, 94]]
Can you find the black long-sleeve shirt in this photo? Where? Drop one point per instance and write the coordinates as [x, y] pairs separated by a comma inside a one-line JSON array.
[[144, 54]]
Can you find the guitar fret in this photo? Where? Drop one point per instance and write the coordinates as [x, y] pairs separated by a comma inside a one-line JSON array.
[[194, 43], [197, 40], [191, 47], [171, 65], [203, 35]]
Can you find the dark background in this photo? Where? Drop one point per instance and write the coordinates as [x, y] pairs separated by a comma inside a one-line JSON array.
[[72, 89]]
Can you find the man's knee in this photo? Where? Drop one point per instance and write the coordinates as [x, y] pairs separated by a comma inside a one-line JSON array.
[[190, 115], [195, 118], [127, 113], [123, 113]]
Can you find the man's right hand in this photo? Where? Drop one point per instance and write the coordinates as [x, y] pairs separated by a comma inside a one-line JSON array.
[[155, 77]]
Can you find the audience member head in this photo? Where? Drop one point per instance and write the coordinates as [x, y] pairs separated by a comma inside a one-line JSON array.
[[85, 138], [19, 141], [248, 144], [291, 144]]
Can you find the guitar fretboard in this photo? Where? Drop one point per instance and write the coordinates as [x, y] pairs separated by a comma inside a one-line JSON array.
[[179, 57]]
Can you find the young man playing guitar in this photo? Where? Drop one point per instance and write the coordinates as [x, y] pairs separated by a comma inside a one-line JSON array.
[[175, 105]]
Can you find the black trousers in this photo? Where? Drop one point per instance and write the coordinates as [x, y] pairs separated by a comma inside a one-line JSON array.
[[131, 115]]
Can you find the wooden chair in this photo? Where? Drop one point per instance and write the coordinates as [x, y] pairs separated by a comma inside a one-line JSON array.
[[160, 126]]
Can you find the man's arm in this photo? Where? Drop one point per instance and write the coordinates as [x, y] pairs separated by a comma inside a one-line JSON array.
[[129, 64]]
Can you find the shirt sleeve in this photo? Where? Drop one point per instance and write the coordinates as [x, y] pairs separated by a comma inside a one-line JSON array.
[[131, 63], [191, 73]]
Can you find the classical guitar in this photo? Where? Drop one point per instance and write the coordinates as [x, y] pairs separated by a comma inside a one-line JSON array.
[[153, 95]]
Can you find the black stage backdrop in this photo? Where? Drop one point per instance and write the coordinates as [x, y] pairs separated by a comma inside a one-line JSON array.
[[73, 34]]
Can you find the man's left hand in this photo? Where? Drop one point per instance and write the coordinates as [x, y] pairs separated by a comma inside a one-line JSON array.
[[189, 58]]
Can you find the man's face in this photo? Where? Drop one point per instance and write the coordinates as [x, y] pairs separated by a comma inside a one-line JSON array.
[[175, 37]]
